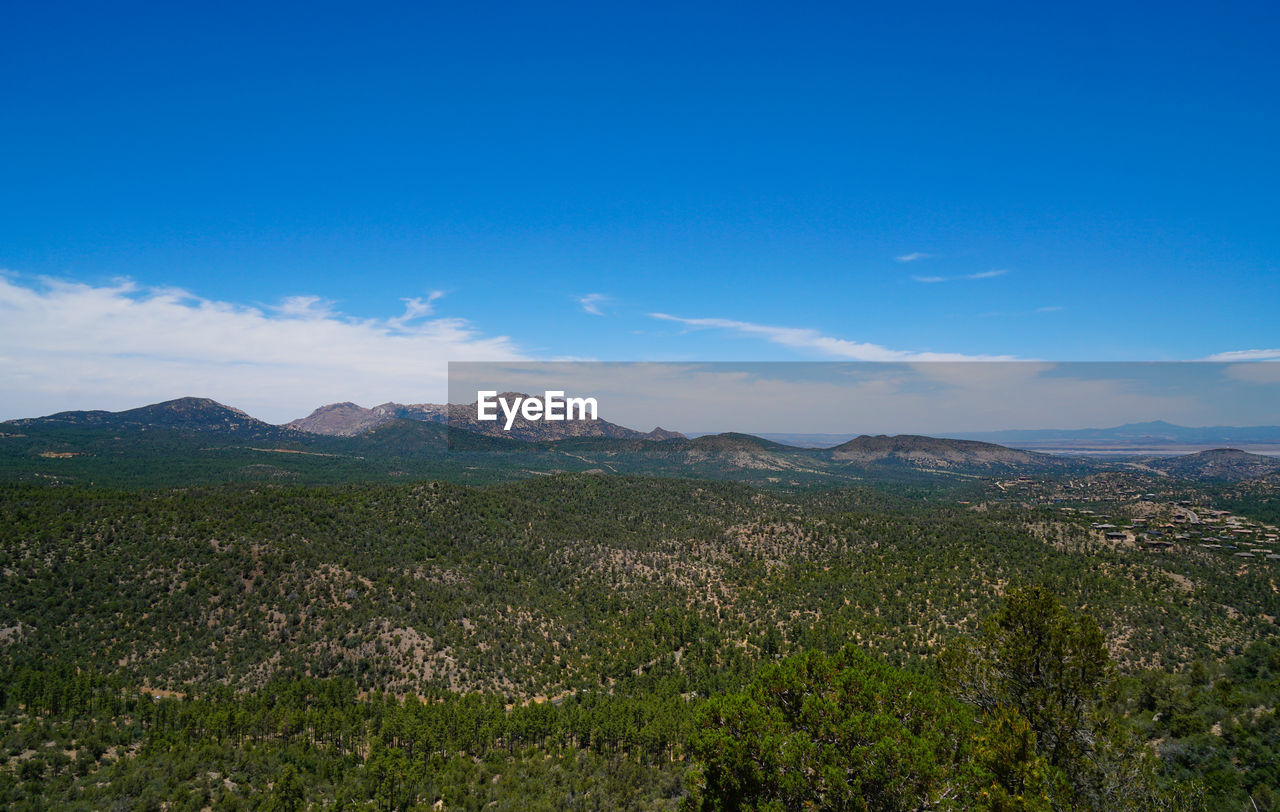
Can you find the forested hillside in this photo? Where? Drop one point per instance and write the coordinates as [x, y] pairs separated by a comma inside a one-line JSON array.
[[555, 640]]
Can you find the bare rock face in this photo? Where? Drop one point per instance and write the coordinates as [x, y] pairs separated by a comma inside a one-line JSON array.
[[341, 420]]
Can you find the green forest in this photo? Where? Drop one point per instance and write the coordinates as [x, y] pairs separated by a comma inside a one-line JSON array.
[[588, 641]]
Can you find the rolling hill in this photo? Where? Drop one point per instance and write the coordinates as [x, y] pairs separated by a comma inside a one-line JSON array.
[[1223, 464], [184, 414], [931, 453]]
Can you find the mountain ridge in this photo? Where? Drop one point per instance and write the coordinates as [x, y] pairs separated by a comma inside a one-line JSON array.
[[348, 419], [198, 434], [918, 450], [185, 413], [1222, 464]]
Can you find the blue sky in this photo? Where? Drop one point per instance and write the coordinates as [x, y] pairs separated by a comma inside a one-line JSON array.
[[208, 200]]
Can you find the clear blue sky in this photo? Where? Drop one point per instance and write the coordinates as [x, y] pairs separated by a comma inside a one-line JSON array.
[[1084, 181]]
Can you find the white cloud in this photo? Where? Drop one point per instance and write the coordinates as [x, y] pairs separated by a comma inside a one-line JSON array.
[[970, 276], [1049, 309], [803, 338], [298, 307], [416, 308], [1245, 355], [914, 256], [592, 301], [68, 345]]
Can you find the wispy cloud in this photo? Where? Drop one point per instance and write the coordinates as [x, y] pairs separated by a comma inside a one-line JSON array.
[[914, 256], [296, 307], [416, 308], [806, 339], [67, 345], [980, 275], [1049, 309], [592, 301], [1245, 355]]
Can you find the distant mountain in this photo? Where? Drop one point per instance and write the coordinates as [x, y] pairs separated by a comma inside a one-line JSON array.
[[1151, 432], [746, 457], [183, 414], [464, 417], [346, 419], [1226, 464], [719, 456], [736, 441], [350, 420], [942, 454], [660, 433], [198, 440]]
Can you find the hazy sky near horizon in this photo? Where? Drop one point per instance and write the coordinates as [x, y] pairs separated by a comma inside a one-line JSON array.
[[283, 205], [893, 398]]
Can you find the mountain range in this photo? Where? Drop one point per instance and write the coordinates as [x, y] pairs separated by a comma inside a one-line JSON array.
[[349, 420], [193, 440]]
